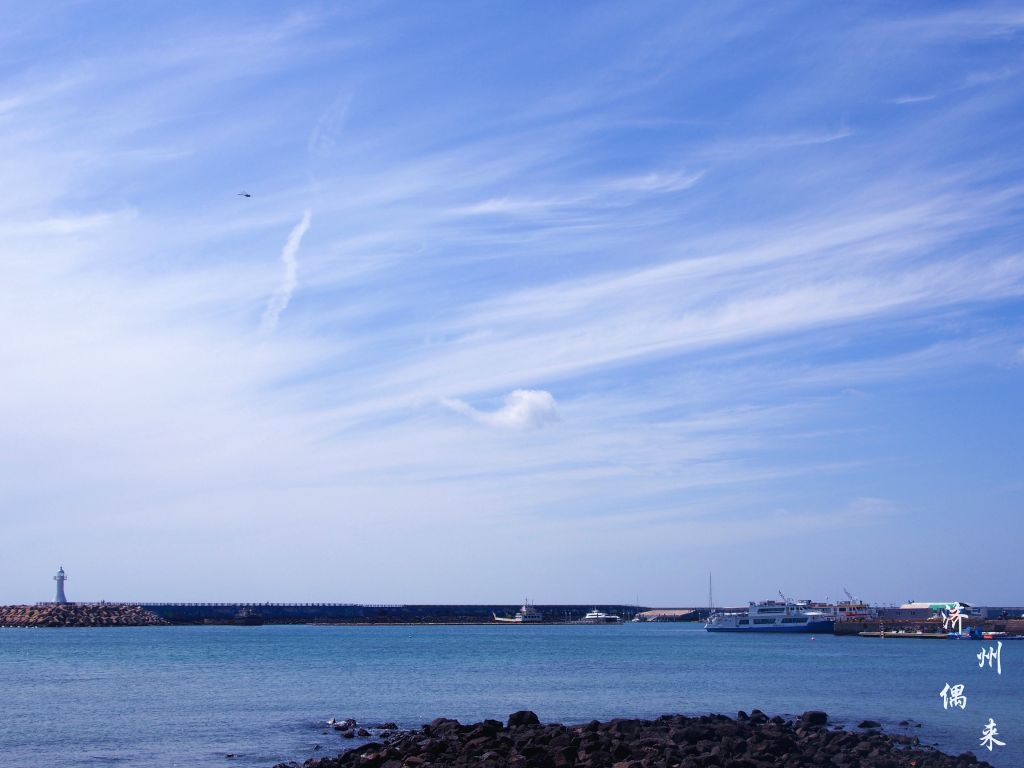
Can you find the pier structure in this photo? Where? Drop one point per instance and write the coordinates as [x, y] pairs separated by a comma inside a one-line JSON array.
[[355, 613], [60, 578]]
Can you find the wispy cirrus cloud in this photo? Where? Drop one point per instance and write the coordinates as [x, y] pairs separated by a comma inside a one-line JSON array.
[[598, 194], [914, 99]]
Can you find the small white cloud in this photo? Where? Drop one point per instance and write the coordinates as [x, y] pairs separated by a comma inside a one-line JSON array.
[[523, 409]]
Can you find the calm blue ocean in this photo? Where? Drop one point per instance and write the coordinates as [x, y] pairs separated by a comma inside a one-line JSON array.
[[188, 696]]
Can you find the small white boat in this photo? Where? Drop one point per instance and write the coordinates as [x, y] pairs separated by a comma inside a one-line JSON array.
[[527, 614], [600, 617]]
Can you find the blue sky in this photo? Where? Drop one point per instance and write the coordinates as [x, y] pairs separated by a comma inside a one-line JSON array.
[[573, 301]]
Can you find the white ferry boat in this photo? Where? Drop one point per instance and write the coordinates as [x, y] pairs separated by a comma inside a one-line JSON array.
[[527, 614], [773, 616], [600, 617]]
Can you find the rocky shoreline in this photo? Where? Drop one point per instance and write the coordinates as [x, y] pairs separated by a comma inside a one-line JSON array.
[[77, 615], [671, 741]]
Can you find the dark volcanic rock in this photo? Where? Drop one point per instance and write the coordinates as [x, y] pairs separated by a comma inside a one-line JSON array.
[[522, 717], [814, 717], [869, 724], [671, 741]]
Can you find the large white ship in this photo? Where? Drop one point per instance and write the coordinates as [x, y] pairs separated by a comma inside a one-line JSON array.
[[773, 616]]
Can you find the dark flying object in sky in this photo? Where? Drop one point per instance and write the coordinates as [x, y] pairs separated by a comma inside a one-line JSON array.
[[244, 194]]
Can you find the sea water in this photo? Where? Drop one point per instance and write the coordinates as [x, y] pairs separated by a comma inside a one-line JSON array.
[[190, 696]]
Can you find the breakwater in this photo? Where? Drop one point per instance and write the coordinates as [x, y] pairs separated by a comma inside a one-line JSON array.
[[671, 741], [77, 615], [352, 613]]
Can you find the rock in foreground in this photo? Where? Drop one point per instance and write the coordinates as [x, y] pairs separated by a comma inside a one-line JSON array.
[[749, 741]]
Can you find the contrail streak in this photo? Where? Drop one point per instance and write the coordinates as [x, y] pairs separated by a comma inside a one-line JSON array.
[[280, 299]]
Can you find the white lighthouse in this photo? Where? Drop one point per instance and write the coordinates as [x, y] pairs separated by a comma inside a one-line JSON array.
[[60, 578]]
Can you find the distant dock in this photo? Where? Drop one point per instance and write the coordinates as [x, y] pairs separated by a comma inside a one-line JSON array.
[[918, 629], [674, 614]]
